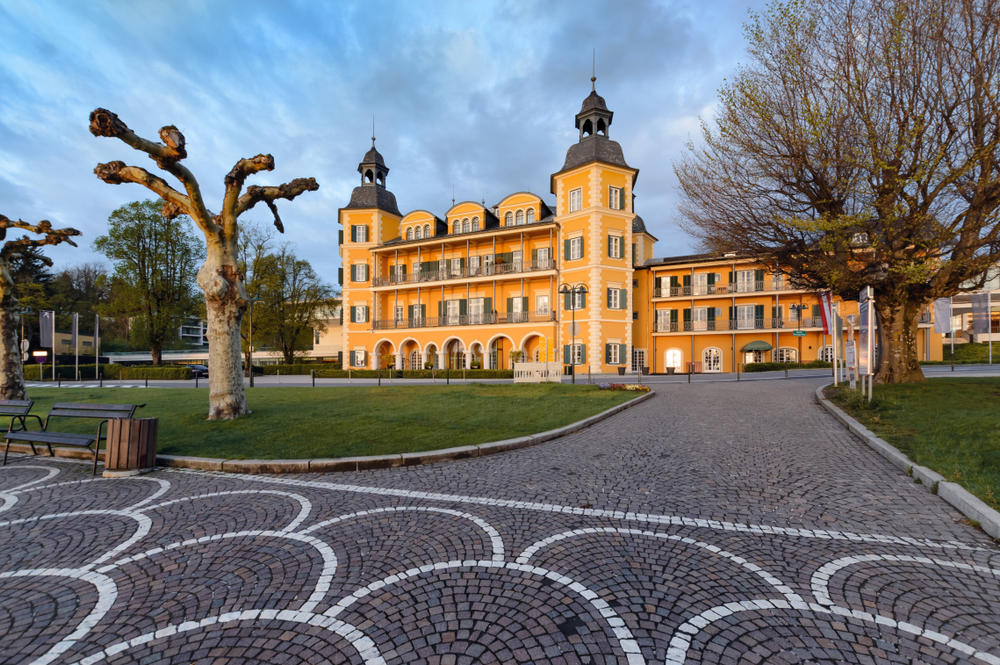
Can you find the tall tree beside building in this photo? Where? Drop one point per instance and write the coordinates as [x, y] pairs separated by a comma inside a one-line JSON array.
[[860, 147], [155, 260], [294, 302], [11, 368], [219, 277]]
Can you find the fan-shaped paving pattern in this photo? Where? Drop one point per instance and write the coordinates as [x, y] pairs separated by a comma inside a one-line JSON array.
[[35, 616]]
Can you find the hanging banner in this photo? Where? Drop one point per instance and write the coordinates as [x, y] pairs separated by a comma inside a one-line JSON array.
[[866, 331], [980, 312], [46, 324], [76, 330], [942, 315], [826, 311]]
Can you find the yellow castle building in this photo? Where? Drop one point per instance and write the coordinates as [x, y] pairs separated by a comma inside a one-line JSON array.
[[576, 283]]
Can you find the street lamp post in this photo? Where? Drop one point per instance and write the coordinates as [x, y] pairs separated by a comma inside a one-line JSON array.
[[799, 308], [573, 291], [250, 302]]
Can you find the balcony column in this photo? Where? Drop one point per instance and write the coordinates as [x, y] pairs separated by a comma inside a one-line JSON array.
[[399, 358]]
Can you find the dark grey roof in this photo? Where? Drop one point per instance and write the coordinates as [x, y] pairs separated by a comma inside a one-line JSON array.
[[638, 226], [693, 258], [373, 196], [595, 148], [593, 101], [373, 156]]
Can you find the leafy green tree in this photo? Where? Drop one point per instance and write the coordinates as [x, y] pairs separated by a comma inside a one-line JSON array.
[[860, 146], [293, 302], [155, 260]]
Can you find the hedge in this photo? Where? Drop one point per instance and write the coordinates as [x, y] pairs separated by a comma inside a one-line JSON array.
[[110, 372], [777, 367], [327, 372]]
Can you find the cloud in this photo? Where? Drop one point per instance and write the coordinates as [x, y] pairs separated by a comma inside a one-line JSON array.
[[476, 96]]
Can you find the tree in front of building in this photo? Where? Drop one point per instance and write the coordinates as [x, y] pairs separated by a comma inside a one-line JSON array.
[[11, 368], [293, 303], [155, 260], [219, 277], [860, 147]]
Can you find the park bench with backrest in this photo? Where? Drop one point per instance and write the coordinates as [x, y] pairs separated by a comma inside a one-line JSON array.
[[17, 410], [67, 410]]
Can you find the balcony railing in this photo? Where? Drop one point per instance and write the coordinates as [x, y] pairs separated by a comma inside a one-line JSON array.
[[738, 324], [446, 272], [724, 289], [485, 319]]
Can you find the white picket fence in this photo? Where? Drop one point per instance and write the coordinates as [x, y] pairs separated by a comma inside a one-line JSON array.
[[537, 372]]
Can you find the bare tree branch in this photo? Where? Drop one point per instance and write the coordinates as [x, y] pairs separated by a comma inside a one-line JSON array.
[[44, 228], [269, 195]]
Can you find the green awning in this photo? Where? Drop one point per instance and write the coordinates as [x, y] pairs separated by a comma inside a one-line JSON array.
[[758, 345]]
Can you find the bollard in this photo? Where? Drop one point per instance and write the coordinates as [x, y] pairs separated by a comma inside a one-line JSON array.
[[380, 377], [195, 380], [738, 372], [312, 373], [147, 379], [100, 382], [447, 375], [786, 373], [59, 382], [690, 371]]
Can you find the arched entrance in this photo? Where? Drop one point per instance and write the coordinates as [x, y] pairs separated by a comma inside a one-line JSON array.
[[385, 356], [454, 352], [673, 358], [410, 355], [711, 360], [476, 360], [431, 357], [532, 348], [500, 349]]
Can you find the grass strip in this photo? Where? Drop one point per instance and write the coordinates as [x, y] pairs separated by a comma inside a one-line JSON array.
[[303, 423], [951, 425]]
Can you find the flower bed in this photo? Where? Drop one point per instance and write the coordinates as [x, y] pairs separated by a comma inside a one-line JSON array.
[[635, 387]]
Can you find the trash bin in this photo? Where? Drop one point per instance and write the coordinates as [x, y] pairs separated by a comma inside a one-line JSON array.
[[670, 370], [131, 446], [621, 371], [568, 370], [645, 370]]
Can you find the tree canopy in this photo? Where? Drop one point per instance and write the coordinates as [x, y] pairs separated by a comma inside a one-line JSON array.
[[860, 146]]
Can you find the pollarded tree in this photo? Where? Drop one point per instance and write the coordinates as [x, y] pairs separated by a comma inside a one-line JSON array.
[[860, 147], [219, 278], [11, 369]]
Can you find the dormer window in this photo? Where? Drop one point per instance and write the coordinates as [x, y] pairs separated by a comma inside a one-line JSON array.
[[475, 223], [418, 233], [466, 225], [456, 227], [409, 233], [508, 219], [427, 230], [531, 215]]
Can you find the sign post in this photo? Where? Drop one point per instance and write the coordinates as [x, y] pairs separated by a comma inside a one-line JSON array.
[[850, 355], [866, 312]]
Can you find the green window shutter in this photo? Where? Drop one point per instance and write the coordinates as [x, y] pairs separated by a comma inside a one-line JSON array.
[[567, 303], [423, 312], [524, 304], [656, 283], [402, 271], [487, 306], [510, 305], [610, 249], [583, 301], [758, 312], [583, 247], [463, 307], [623, 300], [565, 250], [354, 233], [583, 354], [350, 357], [732, 312], [621, 354], [711, 315], [711, 278], [732, 277], [340, 276], [534, 257], [674, 282], [354, 316], [609, 298], [673, 317], [409, 312], [758, 275], [774, 312], [687, 280], [566, 354], [340, 237], [607, 354], [687, 316], [815, 311], [441, 309]]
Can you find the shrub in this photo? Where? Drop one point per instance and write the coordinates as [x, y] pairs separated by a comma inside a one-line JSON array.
[[777, 367]]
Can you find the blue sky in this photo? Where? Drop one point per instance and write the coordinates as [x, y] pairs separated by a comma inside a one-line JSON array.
[[475, 96]]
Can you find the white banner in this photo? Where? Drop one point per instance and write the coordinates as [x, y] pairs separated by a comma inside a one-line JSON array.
[[942, 315], [980, 312], [46, 328]]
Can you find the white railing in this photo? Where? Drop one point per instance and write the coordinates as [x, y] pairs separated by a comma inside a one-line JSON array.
[[537, 372]]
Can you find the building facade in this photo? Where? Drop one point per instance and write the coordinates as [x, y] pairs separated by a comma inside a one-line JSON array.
[[574, 282]]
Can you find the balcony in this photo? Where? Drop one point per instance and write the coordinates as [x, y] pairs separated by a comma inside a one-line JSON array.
[[446, 272], [448, 321], [724, 289], [738, 325]]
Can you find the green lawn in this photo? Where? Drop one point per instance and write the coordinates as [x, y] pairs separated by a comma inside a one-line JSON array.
[[971, 353], [348, 421], [951, 425]]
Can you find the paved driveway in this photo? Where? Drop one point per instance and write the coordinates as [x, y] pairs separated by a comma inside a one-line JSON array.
[[716, 523]]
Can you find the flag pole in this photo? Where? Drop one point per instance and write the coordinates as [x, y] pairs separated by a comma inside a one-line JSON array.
[[76, 346], [989, 324], [53, 345], [97, 347]]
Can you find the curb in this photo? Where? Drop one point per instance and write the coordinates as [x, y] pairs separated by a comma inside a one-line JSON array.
[[336, 464], [954, 494]]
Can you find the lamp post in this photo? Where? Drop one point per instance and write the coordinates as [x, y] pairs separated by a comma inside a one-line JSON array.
[[798, 323], [573, 291], [21, 345], [250, 302]]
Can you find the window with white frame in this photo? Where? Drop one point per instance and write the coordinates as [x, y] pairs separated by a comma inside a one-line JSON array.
[[455, 267], [616, 247], [746, 281], [542, 257], [711, 360], [398, 313], [427, 230], [614, 298], [409, 233], [575, 199], [826, 354], [477, 310], [745, 317], [453, 312], [418, 233], [786, 354], [456, 227], [777, 281], [699, 286], [663, 320], [359, 313], [466, 225], [508, 219], [359, 272], [358, 357], [530, 216], [520, 218], [542, 303], [473, 266], [614, 354], [576, 353], [616, 198], [575, 248], [578, 300], [475, 223], [699, 318], [359, 233]]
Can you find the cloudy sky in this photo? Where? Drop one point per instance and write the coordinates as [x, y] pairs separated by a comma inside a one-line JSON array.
[[478, 97]]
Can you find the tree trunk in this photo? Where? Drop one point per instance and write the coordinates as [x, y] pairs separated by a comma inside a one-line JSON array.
[[11, 369], [225, 302], [156, 351], [897, 335]]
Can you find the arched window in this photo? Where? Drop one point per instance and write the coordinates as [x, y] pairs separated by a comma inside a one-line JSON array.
[[786, 354], [369, 176], [826, 354], [508, 219], [520, 217], [418, 233], [466, 225], [711, 360], [531, 215], [475, 223], [409, 233], [588, 128], [456, 227], [427, 230], [415, 360]]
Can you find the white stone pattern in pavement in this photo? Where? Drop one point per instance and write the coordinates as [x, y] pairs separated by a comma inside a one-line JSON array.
[[337, 614]]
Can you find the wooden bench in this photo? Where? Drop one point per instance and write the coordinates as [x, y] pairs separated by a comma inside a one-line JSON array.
[[104, 412]]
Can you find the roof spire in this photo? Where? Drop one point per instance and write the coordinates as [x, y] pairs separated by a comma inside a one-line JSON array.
[[373, 129], [453, 195], [593, 72]]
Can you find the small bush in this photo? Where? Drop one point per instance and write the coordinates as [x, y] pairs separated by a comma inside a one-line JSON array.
[[777, 367], [325, 371]]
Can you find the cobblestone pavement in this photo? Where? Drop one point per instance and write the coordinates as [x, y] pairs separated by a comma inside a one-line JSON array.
[[716, 523]]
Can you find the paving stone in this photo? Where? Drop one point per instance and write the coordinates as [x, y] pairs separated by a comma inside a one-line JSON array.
[[715, 523]]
